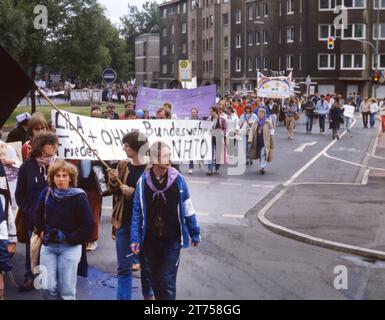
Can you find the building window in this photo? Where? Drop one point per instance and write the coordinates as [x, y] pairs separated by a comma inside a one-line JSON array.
[[266, 9], [164, 51], [211, 21], [327, 5], [290, 34], [325, 31], [211, 44], [265, 37], [256, 63], [226, 42], [184, 47], [289, 62], [238, 65], [184, 28], [354, 31], [164, 68], [279, 36], [172, 29], [352, 61], [279, 63], [380, 62], [211, 66], [289, 6], [300, 62], [250, 12], [193, 45], [238, 41], [164, 32], [184, 8], [250, 64], [326, 61], [226, 65], [172, 48], [382, 4], [257, 38], [238, 17], [226, 19], [257, 11], [381, 31], [193, 21], [172, 68], [164, 13], [356, 4], [265, 63], [251, 38]]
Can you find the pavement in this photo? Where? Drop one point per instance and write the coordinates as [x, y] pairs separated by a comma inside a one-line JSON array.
[[345, 213]]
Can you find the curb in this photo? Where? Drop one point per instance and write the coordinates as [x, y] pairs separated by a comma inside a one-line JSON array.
[[292, 234]]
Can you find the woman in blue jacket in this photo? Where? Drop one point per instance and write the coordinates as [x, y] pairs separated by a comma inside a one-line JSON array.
[[163, 221], [63, 219], [31, 180]]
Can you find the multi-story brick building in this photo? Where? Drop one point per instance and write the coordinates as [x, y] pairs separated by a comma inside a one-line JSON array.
[[147, 60], [209, 35], [276, 35], [173, 41]]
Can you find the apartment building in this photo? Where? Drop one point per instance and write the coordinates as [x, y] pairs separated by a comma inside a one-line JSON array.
[[147, 60]]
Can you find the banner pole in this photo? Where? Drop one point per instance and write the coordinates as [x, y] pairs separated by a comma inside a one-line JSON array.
[[106, 166]]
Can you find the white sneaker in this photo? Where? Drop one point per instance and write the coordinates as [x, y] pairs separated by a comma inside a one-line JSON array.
[[91, 246], [190, 171]]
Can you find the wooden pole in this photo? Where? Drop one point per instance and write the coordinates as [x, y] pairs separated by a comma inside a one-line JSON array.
[[106, 166]]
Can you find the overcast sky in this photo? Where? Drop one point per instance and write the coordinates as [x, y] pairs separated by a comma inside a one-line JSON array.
[[118, 8]]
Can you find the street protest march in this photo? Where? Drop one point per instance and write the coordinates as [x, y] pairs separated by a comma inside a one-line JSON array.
[[182, 100], [190, 140]]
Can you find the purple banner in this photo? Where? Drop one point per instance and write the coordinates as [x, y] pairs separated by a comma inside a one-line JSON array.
[[202, 98]]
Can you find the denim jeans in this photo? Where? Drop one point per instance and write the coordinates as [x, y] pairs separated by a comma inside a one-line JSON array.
[[163, 259], [213, 162], [347, 123], [273, 118], [4, 256], [123, 250], [309, 123], [322, 118], [61, 263], [373, 119]]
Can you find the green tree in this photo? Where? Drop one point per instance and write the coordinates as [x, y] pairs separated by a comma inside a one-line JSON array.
[[138, 22]]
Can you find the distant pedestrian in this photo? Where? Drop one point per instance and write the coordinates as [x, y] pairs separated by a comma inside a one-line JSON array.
[[291, 112], [309, 109], [163, 221], [246, 122], [373, 105], [365, 111], [336, 118], [322, 109], [262, 140], [218, 145], [20, 132]]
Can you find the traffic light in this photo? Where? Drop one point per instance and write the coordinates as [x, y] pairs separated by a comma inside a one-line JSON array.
[[375, 76], [330, 43]]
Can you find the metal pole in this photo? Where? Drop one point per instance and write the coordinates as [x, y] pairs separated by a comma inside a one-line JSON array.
[[377, 45], [221, 25]]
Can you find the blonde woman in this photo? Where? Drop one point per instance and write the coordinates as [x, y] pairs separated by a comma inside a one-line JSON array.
[[373, 106], [63, 219]]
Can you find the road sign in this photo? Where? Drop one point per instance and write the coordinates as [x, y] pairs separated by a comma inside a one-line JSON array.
[[185, 70], [109, 76]]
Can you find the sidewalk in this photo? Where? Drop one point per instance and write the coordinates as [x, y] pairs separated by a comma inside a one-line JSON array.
[[342, 217]]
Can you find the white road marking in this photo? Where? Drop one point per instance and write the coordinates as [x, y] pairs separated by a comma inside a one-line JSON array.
[[352, 163], [365, 179], [198, 182], [304, 145], [235, 216], [231, 184], [262, 186]]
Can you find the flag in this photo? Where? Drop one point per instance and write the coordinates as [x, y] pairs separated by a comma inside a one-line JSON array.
[[14, 85]]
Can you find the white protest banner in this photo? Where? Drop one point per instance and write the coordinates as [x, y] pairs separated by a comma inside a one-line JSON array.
[[85, 97], [349, 111], [188, 139], [275, 87]]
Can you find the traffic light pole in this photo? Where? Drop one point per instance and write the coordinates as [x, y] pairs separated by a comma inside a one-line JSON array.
[[376, 59]]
